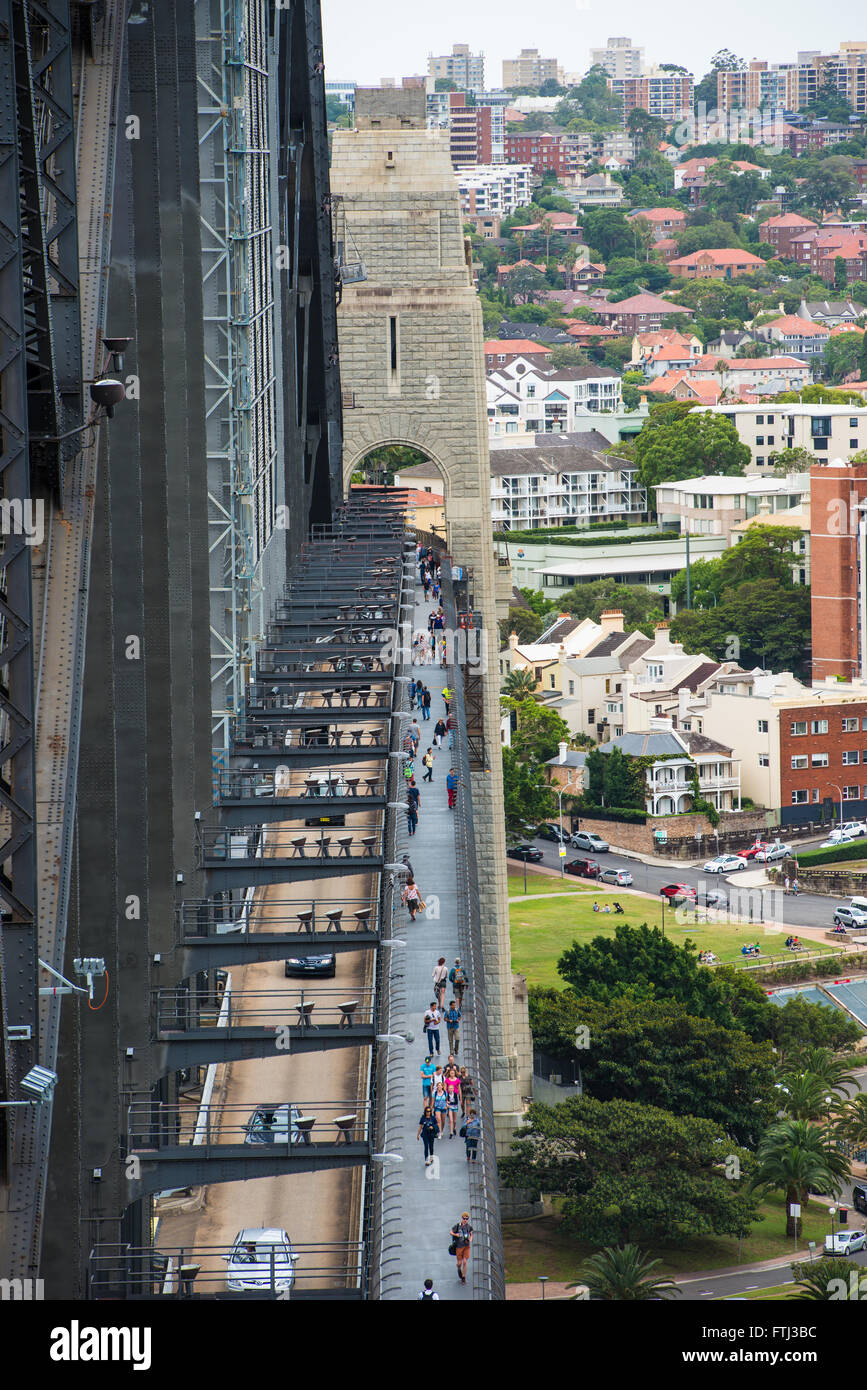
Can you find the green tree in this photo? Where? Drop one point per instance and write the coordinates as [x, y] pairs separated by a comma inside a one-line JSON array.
[[802, 1095], [538, 732], [655, 1052], [771, 625], [623, 1275], [608, 233], [819, 395], [524, 622], [526, 282], [677, 443], [563, 355], [646, 130], [826, 189], [630, 1172], [618, 785], [823, 1062], [594, 767], [526, 795], [538, 601], [829, 103], [640, 608], [843, 355], [799, 1022], [792, 461], [841, 279], [705, 91], [795, 1157], [852, 1121]]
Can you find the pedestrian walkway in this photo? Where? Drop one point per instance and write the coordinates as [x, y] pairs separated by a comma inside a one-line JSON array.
[[431, 1200]]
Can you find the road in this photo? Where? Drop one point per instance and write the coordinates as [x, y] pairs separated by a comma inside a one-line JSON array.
[[805, 910], [715, 1286]]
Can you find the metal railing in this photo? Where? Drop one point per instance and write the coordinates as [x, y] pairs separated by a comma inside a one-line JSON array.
[[219, 844], [327, 1269], [277, 1123], [206, 917], [183, 1010]]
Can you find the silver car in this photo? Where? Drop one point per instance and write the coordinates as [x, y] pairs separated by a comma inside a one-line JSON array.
[[621, 877], [772, 852], [261, 1258], [273, 1124]]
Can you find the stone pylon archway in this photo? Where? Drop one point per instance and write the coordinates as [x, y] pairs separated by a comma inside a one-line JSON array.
[[412, 372]]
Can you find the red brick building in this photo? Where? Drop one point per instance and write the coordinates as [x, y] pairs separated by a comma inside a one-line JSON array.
[[778, 231], [544, 151], [836, 491], [823, 757], [469, 131]]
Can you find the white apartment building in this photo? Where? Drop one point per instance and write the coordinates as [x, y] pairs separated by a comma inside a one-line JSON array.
[[620, 58], [680, 756], [496, 188], [551, 402], [465, 69], [832, 431], [713, 505], [565, 485]]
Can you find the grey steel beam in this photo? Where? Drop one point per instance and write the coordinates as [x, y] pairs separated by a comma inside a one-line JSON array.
[[210, 952], [258, 872], [206, 1045], [199, 1165]]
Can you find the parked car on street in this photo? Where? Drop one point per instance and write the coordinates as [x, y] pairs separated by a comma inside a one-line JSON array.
[[679, 892], [772, 852], [854, 828], [725, 864], [549, 831], [582, 839], [527, 852], [845, 1242], [261, 1258], [621, 877], [859, 1199], [582, 868], [754, 851], [841, 835], [849, 916]]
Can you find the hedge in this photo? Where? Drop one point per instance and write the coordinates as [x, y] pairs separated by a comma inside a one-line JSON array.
[[558, 536], [625, 813], [855, 849]]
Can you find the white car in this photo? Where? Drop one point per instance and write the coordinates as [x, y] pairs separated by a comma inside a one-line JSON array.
[[772, 852], [854, 829], [845, 1242], [261, 1258], [584, 839], [841, 836], [725, 864]]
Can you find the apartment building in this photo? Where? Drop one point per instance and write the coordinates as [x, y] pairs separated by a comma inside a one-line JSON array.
[[562, 483], [557, 401], [838, 543], [792, 86], [663, 222], [530, 69], [834, 431], [668, 95], [758, 85], [791, 334], [589, 685], [475, 132], [620, 58], [544, 152], [641, 313], [714, 505], [495, 188], [779, 230], [465, 69], [723, 263], [564, 637], [503, 352]]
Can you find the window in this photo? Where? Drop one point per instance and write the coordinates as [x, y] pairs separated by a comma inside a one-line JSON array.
[[760, 461], [799, 761], [819, 760], [552, 682], [799, 798], [760, 439], [770, 419], [760, 419], [764, 760], [819, 726], [851, 793], [798, 728], [853, 443], [850, 726], [820, 443], [571, 687], [850, 757], [591, 716], [853, 422], [763, 726], [770, 439], [816, 796], [531, 390]]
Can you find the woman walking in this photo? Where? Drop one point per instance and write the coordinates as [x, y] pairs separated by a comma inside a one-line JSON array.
[[468, 1091], [440, 976], [452, 1087], [440, 1105], [427, 764], [472, 1134], [428, 1132], [462, 1239], [412, 898], [439, 732]]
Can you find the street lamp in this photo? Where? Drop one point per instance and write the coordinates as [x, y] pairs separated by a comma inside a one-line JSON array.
[[543, 1279]]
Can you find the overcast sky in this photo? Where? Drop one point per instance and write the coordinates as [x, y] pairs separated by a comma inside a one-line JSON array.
[[369, 39]]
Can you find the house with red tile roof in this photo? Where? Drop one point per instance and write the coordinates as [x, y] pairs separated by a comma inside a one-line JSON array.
[[681, 386], [641, 313], [851, 249], [778, 231], [666, 248], [717, 263], [794, 335], [501, 352], [662, 221]]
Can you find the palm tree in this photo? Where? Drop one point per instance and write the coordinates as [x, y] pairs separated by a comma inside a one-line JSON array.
[[519, 685], [820, 1282], [519, 237], [852, 1121], [803, 1095], [793, 1157], [546, 227], [623, 1275], [832, 1071]]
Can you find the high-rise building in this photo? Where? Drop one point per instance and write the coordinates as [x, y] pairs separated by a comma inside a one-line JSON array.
[[529, 69], [838, 546], [465, 69], [619, 58], [668, 95], [792, 86]]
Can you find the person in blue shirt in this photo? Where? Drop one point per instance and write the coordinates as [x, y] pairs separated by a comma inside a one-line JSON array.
[[427, 1070], [453, 1022], [472, 1134]]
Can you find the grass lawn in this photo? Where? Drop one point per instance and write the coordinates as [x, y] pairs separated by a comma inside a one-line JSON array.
[[542, 931], [542, 1247], [543, 883]]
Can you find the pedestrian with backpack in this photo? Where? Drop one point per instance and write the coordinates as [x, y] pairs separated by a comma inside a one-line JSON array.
[[440, 1108], [427, 1292], [468, 1091], [458, 978], [472, 1132], [428, 1132], [425, 703], [462, 1239], [427, 764]]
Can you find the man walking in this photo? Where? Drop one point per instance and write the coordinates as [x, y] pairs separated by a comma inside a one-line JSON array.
[[427, 763], [453, 1024], [452, 787], [431, 1028], [458, 981], [425, 703], [447, 696], [428, 1291], [472, 1134], [413, 797]]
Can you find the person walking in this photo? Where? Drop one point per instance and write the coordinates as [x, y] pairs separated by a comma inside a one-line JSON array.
[[413, 687], [440, 976], [786, 884], [452, 1088], [428, 1132], [439, 732], [451, 726], [447, 698], [425, 584], [453, 1025], [427, 764], [413, 796], [440, 1108], [458, 979], [411, 819], [468, 1090], [472, 1134], [425, 703], [796, 887], [428, 1291], [431, 1029], [462, 1240], [426, 1072], [412, 898], [415, 736], [452, 787], [419, 694]]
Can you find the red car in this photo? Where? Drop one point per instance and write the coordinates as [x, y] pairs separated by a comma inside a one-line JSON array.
[[673, 891], [582, 868], [753, 850]]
